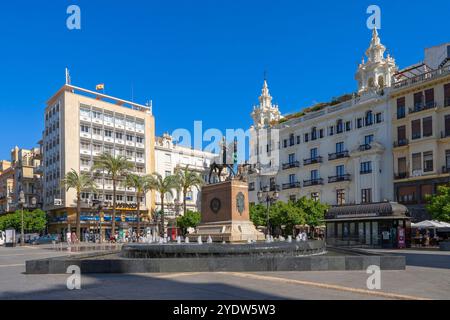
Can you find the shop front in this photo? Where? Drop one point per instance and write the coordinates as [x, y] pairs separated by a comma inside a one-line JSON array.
[[375, 225]]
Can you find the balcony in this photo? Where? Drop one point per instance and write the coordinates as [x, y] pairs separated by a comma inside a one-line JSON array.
[[251, 187], [338, 155], [365, 147], [365, 171], [307, 162], [274, 187], [446, 102], [289, 165], [291, 185], [401, 143], [401, 175], [446, 169], [423, 106], [313, 182], [344, 177]]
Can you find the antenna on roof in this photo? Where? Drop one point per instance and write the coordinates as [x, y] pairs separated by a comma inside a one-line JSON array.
[[67, 76]]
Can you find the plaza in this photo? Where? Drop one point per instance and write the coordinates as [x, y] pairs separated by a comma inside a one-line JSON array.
[[427, 276]]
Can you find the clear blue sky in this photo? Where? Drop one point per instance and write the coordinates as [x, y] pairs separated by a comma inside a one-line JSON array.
[[197, 60]]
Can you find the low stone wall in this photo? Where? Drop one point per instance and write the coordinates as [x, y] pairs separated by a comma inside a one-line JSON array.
[[444, 245]]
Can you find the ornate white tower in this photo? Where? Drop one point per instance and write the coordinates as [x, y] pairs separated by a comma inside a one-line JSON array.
[[377, 72], [266, 112]]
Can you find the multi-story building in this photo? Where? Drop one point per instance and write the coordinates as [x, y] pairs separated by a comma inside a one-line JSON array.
[[420, 100], [338, 152], [21, 174], [168, 158], [79, 126]]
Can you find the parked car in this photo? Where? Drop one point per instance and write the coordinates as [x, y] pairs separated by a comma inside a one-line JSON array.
[[2, 238], [47, 239]]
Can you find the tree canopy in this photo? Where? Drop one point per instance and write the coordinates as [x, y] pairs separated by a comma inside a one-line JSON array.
[[34, 221], [439, 204], [190, 219]]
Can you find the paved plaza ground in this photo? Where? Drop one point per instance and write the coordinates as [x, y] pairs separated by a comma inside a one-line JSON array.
[[427, 276]]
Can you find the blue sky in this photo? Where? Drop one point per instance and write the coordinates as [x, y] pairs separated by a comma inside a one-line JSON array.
[[198, 59]]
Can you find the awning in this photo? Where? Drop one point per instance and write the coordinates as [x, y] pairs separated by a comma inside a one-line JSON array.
[[432, 224], [366, 211]]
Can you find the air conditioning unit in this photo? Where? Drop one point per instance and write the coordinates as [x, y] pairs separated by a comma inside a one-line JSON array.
[[417, 173], [58, 202]]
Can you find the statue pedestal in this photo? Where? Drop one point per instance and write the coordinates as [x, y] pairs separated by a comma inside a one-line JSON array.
[[225, 213]]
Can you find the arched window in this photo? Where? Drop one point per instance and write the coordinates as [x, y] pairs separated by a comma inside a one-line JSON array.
[[369, 118], [371, 83]]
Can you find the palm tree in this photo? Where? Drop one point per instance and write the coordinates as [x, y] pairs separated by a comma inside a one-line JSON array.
[[141, 184], [188, 179], [117, 167], [79, 182], [163, 186]]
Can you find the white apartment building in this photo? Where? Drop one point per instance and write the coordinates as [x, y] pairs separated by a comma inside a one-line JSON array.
[[338, 152], [79, 126], [168, 158]]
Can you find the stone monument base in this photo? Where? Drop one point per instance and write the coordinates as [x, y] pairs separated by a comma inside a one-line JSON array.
[[228, 231]]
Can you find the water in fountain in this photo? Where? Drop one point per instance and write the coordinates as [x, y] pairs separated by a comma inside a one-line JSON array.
[[289, 239], [178, 240], [209, 240], [199, 240], [186, 240]]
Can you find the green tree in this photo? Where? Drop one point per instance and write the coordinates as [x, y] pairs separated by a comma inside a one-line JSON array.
[[190, 219], [286, 216], [34, 221], [163, 186], [314, 210], [79, 182], [258, 215], [117, 168], [141, 185], [439, 205], [187, 180]]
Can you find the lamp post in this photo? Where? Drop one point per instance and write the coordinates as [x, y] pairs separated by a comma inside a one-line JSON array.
[[269, 197], [22, 232]]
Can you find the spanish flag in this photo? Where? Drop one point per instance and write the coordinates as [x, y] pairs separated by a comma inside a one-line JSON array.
[[100, 86]]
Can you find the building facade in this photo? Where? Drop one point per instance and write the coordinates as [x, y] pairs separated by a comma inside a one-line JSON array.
[[338, 152], [420, 98], [80, 125], [168, 158], [21, 173]]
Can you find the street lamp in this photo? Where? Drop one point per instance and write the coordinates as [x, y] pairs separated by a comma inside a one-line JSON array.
[[22, 203], [269, 197]]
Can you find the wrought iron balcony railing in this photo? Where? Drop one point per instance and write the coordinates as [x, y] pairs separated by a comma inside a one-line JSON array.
[[312, 182], [365, 147], [338, 155], [289, 165], [401, 143], [423, 106], [291, 185], [309, 161], [339, 178], [401, 175]]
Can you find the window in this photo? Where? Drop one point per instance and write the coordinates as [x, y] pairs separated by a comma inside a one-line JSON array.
[[97, 131], [366, 195], [108, 118], [130, 199], [108, 133], [418, 101], [415, 129], [140, 155], [291, 158], [330, 131], [292, 198], [379, 118], [401, 103], [139, 140], [314, 134], [428, 161], [108, 197], [447, 125], [348, 126], [366, 167], [168, 173], [368, 139], [96, 115], [427, 124], [85, 162], [339, 147], [299, 139], [139, 169], [119, 197], [359, 123], [85, 129], [416, 162], [306, 137], [447, 160], [369, 118], [292, 178], [401, 134], [119, 135], [447, 95], [313, 153], [340, 170], [85, 146], [429, 98], [315, 196], [401, 163], [97, 147], [340, 197], [314, 175], [85, 113], [339, 126], [321, 133], [285, 142], [129, 153], [291, 140]]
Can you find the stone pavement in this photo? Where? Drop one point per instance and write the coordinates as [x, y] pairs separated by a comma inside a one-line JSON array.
[[429, 280]]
